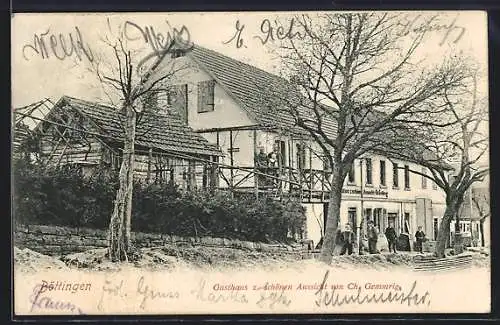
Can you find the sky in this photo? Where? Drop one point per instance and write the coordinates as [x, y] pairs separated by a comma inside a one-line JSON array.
[[35, 77]]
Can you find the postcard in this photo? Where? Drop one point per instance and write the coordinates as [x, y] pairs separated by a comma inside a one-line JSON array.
[[320, 162]]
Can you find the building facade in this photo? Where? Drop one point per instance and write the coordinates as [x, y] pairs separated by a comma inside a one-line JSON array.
[[219, 98], [90, 136]]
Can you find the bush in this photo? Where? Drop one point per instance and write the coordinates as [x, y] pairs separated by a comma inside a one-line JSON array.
[[63, 196]]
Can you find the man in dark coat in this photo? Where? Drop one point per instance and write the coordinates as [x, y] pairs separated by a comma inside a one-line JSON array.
[[261, 158], [372, 238], [390, 234], [419, 238], [348, 238]]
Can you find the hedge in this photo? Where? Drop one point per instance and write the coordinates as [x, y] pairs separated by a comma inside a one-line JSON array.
[[63, 196]]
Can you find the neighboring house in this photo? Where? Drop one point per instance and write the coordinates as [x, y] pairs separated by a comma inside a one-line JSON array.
[[24, 123], [89, 135], [475, 211], [220, 98]]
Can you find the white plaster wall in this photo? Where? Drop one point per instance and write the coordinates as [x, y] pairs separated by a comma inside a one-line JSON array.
[[400, 193], [227, 112]]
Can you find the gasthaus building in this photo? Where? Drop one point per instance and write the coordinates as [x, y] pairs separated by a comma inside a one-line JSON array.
[[216, 97]]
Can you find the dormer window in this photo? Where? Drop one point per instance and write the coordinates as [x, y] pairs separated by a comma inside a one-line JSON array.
[[177, 53]]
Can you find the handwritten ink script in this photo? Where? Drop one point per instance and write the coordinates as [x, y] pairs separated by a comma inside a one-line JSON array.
[[269, 296], [41, 301], [203, 294], [269, 32], [331, 297], [47, 45], [160, 43], [237, 35], [449, 29], [113, 290], [149, 293], [271, 299]]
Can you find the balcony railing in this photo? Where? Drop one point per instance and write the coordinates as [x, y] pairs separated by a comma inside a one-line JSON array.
[[312, 183]]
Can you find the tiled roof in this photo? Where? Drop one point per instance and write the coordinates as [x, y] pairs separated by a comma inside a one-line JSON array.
[[246, 84], [164, 132]]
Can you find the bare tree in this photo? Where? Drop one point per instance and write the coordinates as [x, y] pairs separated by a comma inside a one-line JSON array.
[[129, 83], [450, 145], [481, 202], [352, 81]]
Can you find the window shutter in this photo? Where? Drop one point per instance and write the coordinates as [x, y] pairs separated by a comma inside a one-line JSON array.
[[182, 102], [201, 99], [206, 96]]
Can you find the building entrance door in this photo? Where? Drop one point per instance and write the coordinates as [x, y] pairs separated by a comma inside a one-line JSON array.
[[392, 218], [352, 219]]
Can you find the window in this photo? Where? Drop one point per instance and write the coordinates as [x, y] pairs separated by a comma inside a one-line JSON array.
[[301, 156], [352, 219], [178, 101], [351, 176], [382, 172], [424, 179], [368, 171], [206, 96], [395, 175], [407, 177], [280, 148], [369, 216]]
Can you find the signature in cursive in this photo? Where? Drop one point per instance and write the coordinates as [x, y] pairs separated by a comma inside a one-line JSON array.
[[40, 301], [333, 298], [147, 292], [60, 46], [270, 32], [278, 31], [160, 43], [201, 294], [237, 37], [273, 298], [418, 26], [111, 289]]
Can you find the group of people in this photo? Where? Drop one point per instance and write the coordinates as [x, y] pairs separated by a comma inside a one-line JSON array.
[[347, 238], [266, 160]]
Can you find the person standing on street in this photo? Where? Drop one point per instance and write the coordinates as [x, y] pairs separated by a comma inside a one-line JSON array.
[[347, 240], [372, 238], [390, 234], [419, 238]]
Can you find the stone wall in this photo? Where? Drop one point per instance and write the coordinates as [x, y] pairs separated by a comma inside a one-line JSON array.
[[56, 240]]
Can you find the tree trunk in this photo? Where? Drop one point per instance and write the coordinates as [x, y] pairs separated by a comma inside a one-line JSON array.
[[120, 225], [481, 232], [444, 230], [332, 219]]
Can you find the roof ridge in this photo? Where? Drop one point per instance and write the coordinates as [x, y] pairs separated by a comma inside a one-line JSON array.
[[163, 114], [241, 62]]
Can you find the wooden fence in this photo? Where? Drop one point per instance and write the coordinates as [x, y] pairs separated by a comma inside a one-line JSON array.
[[432, 264]]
